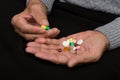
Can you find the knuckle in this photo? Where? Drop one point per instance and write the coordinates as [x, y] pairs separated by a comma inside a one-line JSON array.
[[17, 22], [14, 19]]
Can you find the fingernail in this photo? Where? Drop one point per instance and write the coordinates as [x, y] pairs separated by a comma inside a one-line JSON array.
[[57, 31]]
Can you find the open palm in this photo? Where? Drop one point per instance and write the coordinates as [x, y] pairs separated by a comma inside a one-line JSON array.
[[94, 45]]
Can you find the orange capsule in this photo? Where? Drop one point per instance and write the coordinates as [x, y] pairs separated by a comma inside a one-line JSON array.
[[66, 49]]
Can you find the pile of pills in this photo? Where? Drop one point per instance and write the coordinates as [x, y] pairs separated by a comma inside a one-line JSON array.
[[45, 27], [72, 45], [69, 45]]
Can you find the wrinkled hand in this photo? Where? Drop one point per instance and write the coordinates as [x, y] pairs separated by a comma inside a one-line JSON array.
[[95, 43], [27, 23]]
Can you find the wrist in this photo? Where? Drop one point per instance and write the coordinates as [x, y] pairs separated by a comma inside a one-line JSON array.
[[35, 3], [104, 38], [32, 1]]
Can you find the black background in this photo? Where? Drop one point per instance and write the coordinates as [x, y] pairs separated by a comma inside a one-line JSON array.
[[16, 64]]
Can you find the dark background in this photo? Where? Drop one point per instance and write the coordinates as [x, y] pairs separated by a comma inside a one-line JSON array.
[[16, 64]]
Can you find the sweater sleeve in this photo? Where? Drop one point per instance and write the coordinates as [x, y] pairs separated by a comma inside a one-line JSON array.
[[48, 3], [112, 31]]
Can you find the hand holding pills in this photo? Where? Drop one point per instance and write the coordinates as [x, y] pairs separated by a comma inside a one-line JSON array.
[[80, 48], [27, 23]]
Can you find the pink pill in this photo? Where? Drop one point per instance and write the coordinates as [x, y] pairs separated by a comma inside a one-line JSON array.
[[78, 47], [75, 41]]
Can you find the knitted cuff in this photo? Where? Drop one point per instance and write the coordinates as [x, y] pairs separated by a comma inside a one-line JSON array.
[[112, 31], [27, 2], [49, 4]]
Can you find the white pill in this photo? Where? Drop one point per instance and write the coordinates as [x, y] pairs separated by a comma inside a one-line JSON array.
[[74, 48], [79, 42], [65, 43]]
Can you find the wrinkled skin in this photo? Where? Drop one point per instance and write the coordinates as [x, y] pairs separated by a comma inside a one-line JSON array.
[[28, 22], [92, 49]]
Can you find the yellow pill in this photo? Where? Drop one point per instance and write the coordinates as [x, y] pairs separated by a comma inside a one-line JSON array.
[[71, 39], [43, 27]]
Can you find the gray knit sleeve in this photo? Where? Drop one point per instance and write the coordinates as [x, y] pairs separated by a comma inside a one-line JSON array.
[[49, 4], [112, 31]]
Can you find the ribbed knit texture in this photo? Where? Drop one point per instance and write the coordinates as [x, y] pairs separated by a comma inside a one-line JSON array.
[[110, 6], [112, 29], [48, 3]]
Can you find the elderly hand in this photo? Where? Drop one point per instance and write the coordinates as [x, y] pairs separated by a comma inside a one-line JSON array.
[[27, 23], [91, 50]]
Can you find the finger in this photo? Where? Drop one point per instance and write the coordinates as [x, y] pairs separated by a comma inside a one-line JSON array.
[[52, 33], [54, 57], [23, 26], [49, 55], [51, 47], [28, 17], [38, 45], [31, 48], [48, 41], [34, 36]]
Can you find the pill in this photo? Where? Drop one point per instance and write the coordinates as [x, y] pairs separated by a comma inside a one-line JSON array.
[[79, 42], [47, 28], [72, 44], [65, 43], [43, 27], [77, 47], [66, 49], [71, 39], [59, 50]]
